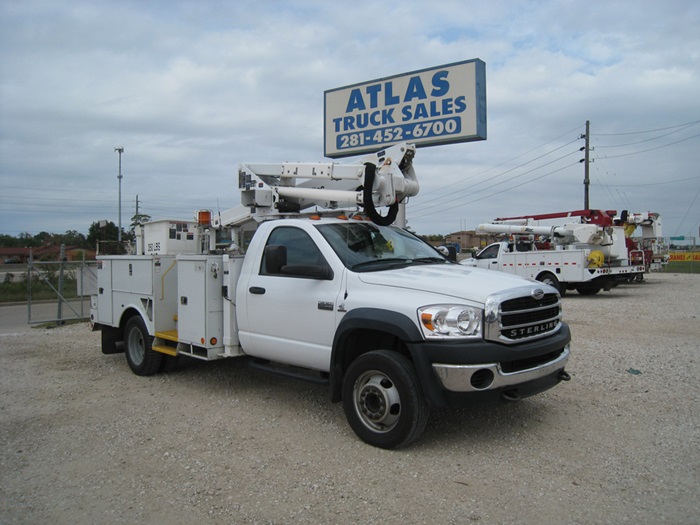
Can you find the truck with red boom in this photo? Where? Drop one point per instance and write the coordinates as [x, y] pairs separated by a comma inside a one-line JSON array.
[[583, 250]]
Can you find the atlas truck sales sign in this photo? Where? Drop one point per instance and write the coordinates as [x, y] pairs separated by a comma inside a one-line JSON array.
[[439, 105]]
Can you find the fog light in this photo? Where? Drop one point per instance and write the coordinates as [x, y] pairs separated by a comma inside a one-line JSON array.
[[481, 379]]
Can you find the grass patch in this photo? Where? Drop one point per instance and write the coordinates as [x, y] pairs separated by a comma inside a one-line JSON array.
[[682, 267], [11, 292]]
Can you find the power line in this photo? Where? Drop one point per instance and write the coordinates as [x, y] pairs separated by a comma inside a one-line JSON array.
[[687, 124], [447, 187], [423, 202], [688, 211], [647, 140], [655, 183], [421, 206], [647, 150], [419, 215]]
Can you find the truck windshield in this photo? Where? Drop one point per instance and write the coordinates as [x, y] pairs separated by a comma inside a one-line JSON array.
[[365, 247]]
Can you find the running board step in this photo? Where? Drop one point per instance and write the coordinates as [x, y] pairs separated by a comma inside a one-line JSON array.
[[318, 378], [169, 350], [170, 335], [163, 342]]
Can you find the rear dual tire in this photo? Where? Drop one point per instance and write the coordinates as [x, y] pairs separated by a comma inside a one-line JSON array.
[[142, 359]]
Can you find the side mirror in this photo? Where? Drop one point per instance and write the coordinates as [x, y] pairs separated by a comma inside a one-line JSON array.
[[452, 254]]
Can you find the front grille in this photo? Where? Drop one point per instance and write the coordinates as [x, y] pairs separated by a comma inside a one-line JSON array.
[[516, 319], [525, 303]]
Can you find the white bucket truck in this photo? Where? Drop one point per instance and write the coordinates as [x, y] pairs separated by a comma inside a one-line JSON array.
[[584, 257], [344, 298]]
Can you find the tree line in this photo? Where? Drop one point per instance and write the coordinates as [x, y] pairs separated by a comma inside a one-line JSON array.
[[98, 231]]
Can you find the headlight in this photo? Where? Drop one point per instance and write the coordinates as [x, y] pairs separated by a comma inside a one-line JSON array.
[[450, 321]]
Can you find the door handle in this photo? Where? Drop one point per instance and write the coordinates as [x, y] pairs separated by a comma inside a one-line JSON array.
[[257, 290]]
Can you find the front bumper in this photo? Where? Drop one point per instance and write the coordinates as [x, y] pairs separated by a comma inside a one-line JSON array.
[[490, 376], [459, 375]]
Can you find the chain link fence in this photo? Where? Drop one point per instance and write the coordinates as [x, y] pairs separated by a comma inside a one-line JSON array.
[[59, 291]]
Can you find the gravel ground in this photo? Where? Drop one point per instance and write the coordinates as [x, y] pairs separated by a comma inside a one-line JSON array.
[[84, 441]]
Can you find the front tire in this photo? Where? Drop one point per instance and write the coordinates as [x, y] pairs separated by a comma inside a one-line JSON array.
[[142, 359], [383, 400]]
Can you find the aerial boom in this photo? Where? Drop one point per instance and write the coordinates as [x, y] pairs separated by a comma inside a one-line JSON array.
[[384, 179]]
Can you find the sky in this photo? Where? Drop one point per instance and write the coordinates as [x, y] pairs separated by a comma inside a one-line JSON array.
[[191, 89]]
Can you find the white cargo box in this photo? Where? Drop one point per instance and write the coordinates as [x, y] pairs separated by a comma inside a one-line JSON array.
[[170, 237]]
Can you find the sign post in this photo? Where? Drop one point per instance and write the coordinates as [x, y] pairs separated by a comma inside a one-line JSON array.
[[439, 105]]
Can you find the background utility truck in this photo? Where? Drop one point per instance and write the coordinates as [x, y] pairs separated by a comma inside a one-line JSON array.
[[648, 248], [370, 309], [585, 257]]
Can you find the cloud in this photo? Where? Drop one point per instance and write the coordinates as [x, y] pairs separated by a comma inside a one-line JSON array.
[[190, 89]]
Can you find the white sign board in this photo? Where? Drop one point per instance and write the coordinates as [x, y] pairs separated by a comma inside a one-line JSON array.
[[439, 105]]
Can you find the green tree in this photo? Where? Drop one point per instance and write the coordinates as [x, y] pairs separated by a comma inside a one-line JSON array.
[[102, 231], [74, 238], [137, 219], [8, 241], [46, 238], [27, 239]]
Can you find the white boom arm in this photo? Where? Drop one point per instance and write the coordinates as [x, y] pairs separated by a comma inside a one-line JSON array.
[[382, 179], [567, 234]]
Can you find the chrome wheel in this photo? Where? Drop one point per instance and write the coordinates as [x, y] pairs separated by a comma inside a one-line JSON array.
[[377, 401]]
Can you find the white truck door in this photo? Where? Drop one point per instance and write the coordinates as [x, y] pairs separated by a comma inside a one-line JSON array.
[[289, 312], [488, 257]]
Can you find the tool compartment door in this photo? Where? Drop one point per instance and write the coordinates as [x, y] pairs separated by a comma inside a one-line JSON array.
[[200, 300]]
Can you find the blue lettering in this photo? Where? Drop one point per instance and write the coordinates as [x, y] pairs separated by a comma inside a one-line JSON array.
[[421, 111], [361, 120], [374, 118], [337, 122], [355, 101], [387, 116], [348, 123], [440, 84], [389, 98], [373, 91], [460, 104], [406, 112], [415, 90]]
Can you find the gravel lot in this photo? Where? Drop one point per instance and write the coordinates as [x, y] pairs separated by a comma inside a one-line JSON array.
[[83, 440]]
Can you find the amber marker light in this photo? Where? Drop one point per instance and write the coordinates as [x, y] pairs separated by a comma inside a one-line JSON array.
[[427, 320]]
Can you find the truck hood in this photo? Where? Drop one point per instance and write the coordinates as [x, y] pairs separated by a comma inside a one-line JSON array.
[[451, 280]]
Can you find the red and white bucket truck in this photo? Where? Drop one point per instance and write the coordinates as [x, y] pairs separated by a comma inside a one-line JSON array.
[[581, 251], [651, 241]]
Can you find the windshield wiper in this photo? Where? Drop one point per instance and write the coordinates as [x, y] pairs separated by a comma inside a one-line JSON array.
[[430, 260], [381, 264]]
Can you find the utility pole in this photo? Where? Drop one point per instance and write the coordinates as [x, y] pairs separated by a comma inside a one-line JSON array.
[[586, 160], [120, 150]]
